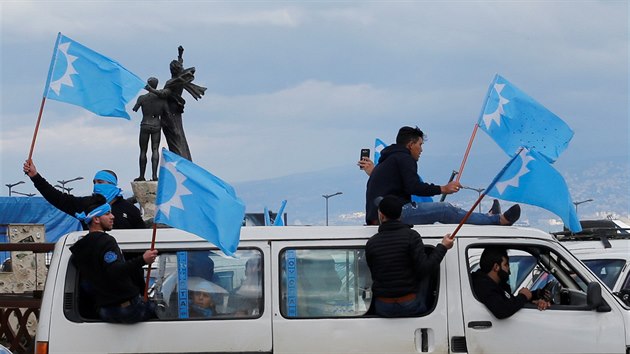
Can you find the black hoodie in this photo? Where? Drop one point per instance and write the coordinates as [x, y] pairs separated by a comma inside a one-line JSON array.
[[395, 174], [100, 261]]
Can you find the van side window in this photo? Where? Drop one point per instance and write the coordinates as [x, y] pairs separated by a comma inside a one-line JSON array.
[[187, 285], [324, 283], [204, 284]]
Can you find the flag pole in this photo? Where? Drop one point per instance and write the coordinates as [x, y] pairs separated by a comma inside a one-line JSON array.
[[492, 184], [472, 138], [461, 223], [146, 285], [39, 119]]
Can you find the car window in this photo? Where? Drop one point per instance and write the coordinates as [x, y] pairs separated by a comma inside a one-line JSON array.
[[607, 270], [324, 283], [548, 270], [205, 284]]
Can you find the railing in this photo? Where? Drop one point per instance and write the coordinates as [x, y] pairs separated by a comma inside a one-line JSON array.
[[20, 311]]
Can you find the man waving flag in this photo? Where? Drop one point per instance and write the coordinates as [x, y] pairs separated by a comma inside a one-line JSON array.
[[513, 119], [194, 200]]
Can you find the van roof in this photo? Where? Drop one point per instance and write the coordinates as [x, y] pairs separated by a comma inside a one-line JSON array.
[[275, 233]]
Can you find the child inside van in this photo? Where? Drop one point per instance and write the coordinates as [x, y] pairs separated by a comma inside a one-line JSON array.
[[202, 295]]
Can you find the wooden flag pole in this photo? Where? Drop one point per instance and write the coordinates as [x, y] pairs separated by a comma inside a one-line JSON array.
[[146, 285], [461, 223], [39, 119], [472, 137]]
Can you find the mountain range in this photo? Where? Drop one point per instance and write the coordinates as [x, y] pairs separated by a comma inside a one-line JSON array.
[[605, 181]]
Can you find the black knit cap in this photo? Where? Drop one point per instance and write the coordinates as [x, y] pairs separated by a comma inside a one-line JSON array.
[[390, 205]]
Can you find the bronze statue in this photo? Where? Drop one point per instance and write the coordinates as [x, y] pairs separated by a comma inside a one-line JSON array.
[[181, 79], [154, 111]]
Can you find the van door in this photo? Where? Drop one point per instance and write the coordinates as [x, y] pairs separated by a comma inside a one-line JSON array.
[[566, 327], [323, 301]]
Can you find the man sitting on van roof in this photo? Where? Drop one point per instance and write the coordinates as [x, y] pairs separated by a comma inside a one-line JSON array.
[[491, 286], [399, 264], [116, 283]]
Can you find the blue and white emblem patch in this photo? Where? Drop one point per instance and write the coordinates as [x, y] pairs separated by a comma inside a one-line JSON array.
[[110, 257]]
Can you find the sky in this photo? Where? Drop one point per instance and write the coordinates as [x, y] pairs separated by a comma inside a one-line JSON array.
[[296, 87]]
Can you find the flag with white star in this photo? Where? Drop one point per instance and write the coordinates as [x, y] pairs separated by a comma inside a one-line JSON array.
[[514, 119], [194, 200], [529, 178], [80, 76]]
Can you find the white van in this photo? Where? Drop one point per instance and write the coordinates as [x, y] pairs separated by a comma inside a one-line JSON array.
[[307, 290], [604, 246]]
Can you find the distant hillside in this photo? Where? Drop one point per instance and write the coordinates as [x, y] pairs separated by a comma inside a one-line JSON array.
[[606, 182]]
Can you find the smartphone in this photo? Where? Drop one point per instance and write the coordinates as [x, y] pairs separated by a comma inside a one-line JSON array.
[[364, 153]]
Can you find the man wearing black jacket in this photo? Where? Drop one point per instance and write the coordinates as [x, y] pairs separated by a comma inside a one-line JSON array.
[[397, 174], [399, 265], [126, 215], [491, 286], [115, 283]]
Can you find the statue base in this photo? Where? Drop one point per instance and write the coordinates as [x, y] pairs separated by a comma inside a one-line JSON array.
[[145, 193]]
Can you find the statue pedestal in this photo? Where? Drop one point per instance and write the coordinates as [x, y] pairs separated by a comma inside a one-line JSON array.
[[145, 193]]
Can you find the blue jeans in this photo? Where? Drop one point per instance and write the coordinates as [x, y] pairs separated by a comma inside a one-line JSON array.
[[137, 311], [442, 212], [415, 307]]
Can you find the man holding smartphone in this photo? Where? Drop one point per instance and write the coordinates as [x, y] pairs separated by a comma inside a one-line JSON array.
[[397, 174]]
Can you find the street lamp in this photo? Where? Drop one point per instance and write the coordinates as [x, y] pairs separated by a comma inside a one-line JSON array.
[[581, 202], [24, 194], [327, 196], [478, 190], [11, 185], [64, 189], [63, 183]]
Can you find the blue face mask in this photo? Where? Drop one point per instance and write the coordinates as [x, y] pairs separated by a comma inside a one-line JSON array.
[[109, 191], [202, 311]]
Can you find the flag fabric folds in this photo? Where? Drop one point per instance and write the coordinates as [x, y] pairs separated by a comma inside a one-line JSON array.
[[194, 200], [529, 178], [80, 76], [514, 119]]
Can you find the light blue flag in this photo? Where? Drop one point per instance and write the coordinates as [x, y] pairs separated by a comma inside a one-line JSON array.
[[194, 200], [80, 76], [279, 221], [379, 145], [513, 119], [267, 217], [529, 178]]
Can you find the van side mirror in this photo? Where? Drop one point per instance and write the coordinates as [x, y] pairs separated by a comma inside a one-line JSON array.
[[594, 298]]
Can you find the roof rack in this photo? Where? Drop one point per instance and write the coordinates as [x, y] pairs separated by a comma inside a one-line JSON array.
[[603, 234]]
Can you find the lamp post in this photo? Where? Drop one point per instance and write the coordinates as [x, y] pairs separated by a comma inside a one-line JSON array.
[[11, 185], [581, 202], [24, 194], [478, 190], [63, 183], [64, 189], [328, 196]]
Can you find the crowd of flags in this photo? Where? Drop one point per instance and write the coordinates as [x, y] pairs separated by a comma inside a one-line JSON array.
[[192, 199]]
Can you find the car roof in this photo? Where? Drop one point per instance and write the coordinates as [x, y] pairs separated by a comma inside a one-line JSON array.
[[275, 233]]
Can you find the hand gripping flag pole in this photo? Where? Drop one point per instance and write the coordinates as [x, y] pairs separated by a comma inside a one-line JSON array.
[[146, 283]]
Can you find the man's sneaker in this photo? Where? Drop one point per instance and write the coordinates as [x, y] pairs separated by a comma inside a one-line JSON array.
[[496, 208], [512, 214]]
